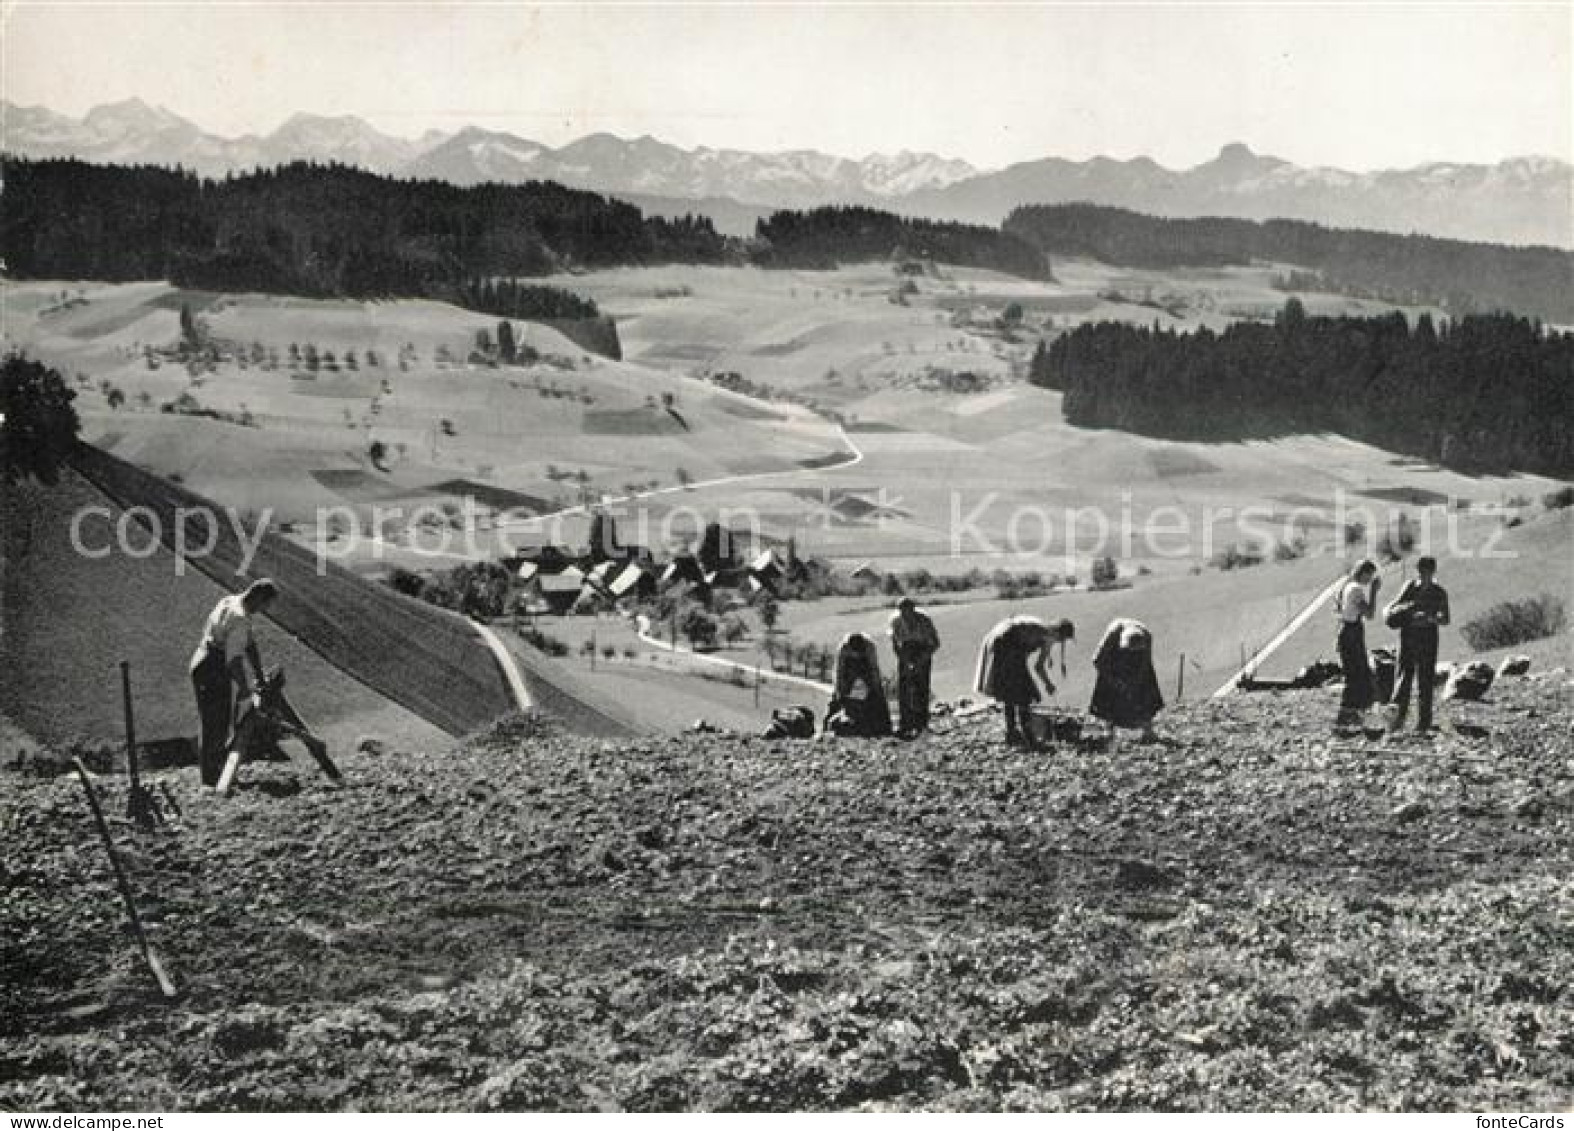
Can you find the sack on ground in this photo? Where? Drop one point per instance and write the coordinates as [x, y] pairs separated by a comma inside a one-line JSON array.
[[1469, 682], [1385, 665], [1514, 665], [791, 722], [1054, 726]]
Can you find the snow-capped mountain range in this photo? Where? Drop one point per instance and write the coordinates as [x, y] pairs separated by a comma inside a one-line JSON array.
[[1526, 200]]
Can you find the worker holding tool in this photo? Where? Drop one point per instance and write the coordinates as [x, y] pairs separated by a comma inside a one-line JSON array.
[[219, 664]]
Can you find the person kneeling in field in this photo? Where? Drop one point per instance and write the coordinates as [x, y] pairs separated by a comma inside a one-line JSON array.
[[1126, 693], [1014, 652], [220, 662], [858, 707]]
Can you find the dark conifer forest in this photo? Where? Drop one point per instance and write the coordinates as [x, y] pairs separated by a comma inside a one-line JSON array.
[[1461, 277], [321, 230], [1485, 392], [823, 238], [332, 230]]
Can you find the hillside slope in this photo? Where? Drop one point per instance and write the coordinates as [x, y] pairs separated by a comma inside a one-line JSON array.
[[1251, 916], [421, 657], [66, 620]]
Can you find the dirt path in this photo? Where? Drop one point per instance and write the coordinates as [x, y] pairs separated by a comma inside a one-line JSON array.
[[643, 632]]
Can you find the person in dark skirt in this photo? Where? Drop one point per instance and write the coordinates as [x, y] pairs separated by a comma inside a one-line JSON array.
[[1126, 693], [1016, 650], [858, 707], [1354, 604]]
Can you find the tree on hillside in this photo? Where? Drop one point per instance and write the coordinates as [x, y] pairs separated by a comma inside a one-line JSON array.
[[190, 335], [603, 536], [38, 426], [699, 627], [506, 347]]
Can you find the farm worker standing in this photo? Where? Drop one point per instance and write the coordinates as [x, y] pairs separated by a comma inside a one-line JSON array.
[[1006, 674], [1354, 603], [1420, 610], [1126, 693], [858, 708], [915, 641], [218, 662]]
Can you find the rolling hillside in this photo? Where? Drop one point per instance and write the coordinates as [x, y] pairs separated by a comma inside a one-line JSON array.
[[66, 620], [517, 435]]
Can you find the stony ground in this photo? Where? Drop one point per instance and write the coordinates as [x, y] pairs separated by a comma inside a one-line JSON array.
[[1256, 914]]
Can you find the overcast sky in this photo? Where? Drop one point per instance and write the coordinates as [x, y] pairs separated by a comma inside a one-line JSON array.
[[1357, 86]]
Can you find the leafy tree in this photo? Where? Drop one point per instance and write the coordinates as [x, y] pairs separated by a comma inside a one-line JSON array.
[[38, 425], [603, 536], [698, 627]]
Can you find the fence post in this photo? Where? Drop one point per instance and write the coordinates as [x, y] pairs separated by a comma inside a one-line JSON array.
[[1180, 678]]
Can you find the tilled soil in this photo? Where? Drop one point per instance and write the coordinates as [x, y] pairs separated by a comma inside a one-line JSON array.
[[1256, 913]]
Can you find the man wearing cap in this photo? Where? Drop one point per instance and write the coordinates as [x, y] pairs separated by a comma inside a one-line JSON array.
[[220, 662], [915, 641], [1014, 652]]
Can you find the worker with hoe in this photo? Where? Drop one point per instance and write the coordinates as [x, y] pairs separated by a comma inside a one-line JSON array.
[[1016, 650], [218, 671], [915, 641]]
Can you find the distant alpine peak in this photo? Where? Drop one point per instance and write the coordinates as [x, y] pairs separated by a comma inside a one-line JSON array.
[[132, 114], [1239, 155]]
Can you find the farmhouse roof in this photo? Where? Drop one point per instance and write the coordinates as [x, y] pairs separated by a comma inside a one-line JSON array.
[[628, 580], [571, 579], [765, 560]]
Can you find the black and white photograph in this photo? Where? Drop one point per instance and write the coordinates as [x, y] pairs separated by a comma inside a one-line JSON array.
[[786, 557]]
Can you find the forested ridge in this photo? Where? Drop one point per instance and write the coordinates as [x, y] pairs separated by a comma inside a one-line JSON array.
[[1490, 391], [332, 230], [1459, 276], [822, 238], [320, 230]]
